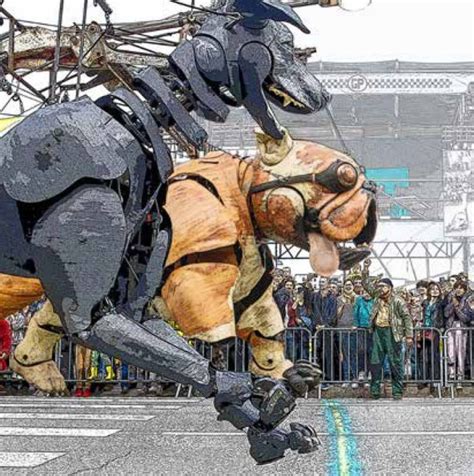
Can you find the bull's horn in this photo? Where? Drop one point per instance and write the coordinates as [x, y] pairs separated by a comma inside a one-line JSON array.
[[270, 10], [273, 151]]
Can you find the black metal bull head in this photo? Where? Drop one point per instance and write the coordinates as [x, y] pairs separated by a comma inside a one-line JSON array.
[[244, 56]]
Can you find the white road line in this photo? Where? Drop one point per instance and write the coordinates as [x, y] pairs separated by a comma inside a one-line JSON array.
[[411, 433], [73, 432], [26, 460], [86, 401], [197, 433], [74, 416], [374, 433], [78, 406], [391, 404]]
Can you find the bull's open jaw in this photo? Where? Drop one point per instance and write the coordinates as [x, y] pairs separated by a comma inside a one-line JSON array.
[[284, 97], [323, 255]]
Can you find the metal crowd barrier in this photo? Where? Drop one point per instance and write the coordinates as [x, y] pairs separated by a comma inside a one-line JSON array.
[[298, 344], [234, 354], [343, 354], [458, 357]]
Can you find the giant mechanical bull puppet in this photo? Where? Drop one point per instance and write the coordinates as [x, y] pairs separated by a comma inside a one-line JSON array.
[[74, 192]]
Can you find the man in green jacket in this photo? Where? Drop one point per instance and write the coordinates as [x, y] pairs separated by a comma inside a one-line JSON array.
[[390, 323]]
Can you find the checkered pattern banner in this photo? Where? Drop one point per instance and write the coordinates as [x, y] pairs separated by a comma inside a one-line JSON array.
[[361, 83]]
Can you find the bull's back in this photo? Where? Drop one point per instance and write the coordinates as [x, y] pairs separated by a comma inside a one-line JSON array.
[[17, 293]]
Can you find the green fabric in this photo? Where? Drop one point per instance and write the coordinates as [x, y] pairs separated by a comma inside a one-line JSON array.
[[399, 317], [384, 344], [97, 356], [429, 313]]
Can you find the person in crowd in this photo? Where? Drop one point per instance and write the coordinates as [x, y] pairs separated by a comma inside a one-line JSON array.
[[282, 296], [286, 271], [433, 311], [355, 275], [308, 290], [452, 280], [422, 289], [358, 286], [5, 344], [324, 309], [334, 287], [415, 308], [18, 323], [290, 311], [277, 280], [291, 321], [83, 366], [322, 283], [404, 293], [412, 356], [347, 339], [304, 324], [458, 315], [362, 311], [390, 322]]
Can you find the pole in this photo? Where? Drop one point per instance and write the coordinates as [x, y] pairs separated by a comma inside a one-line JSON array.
[[466, 251], [57, 55]]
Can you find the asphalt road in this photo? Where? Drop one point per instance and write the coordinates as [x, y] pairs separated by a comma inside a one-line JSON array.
[[100, 436]]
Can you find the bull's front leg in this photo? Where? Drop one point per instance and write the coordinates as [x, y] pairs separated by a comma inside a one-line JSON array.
[[258, 405], [261, 325]]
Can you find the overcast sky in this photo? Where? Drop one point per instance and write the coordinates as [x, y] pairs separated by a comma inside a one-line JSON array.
[[419, 30]]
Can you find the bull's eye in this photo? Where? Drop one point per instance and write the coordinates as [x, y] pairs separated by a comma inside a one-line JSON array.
[[347, 175]]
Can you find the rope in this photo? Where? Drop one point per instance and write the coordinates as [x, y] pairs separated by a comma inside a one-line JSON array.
[[337, 131]]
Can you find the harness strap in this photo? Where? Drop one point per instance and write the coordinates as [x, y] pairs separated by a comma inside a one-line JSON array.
[[328, 179]]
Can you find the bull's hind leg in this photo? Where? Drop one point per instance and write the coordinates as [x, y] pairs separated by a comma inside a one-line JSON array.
[[33, 357], [77, 247]]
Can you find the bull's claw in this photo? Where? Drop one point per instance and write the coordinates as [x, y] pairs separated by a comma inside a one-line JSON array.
[[261, 405], [303, 377], [349, 257], [303, 438]]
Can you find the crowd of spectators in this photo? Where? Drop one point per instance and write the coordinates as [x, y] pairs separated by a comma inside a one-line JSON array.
[[339, 314]]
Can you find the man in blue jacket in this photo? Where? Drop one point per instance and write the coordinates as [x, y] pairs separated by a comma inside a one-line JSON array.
[[362, 310], [324, 310]]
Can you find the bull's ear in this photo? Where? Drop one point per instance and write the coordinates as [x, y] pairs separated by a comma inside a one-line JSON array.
[[273, 151], [270, 10]]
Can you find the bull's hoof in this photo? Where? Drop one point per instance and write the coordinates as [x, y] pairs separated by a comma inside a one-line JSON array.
[[303, 438], [45, 376], [303, 377]]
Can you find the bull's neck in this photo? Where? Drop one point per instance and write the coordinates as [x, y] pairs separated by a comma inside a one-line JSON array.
[[273, 215]]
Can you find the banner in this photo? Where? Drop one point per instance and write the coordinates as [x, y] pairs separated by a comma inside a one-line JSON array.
[[458, 192]]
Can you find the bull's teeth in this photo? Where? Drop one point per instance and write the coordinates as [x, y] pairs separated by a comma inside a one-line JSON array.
[[287, 99]]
